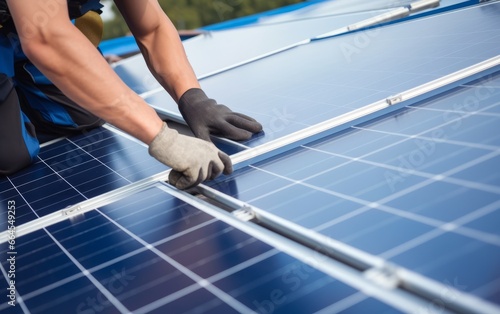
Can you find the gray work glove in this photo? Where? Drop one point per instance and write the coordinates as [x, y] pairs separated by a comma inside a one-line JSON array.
[[192, 160], [204, 116]]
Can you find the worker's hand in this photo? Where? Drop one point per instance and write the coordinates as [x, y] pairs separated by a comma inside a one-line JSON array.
[[192, 160], [204, 116]]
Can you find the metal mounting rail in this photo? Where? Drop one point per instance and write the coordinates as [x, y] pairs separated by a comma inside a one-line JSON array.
[[280, 145], [388, 16], [376, 277], [388, 282], [366, 113], [399, 299], [85, 206]]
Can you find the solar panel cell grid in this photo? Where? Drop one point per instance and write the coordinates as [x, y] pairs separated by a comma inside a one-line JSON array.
[[154, 216], [104, 263], [285, 288], [38, 252], [79, 289], [453, 267], [417, 188], [483, 173], [23, 212], [74, 169], [451, 201], [34, 192], [127, 158], [393, 188], [205, 303]]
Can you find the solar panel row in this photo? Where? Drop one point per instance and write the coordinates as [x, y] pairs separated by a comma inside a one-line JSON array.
[[312, 83], [76, 169], [403, 187], [151, 227], [154, 232], [160, 257], [414, 188]]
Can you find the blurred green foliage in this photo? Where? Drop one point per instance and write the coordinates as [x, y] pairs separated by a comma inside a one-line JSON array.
[[191, 14]]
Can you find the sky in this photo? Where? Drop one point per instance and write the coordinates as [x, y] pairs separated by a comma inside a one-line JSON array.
[[107, 14]]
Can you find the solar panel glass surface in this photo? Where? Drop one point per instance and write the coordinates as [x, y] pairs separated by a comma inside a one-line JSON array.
[[312, 83], [152, 252], [419, 187]]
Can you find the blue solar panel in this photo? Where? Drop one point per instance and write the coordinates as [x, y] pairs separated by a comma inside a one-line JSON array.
[[419, 188], [312, 83], [230, 47], [75, 169], [161, 257], [246, 43], [416, 188]]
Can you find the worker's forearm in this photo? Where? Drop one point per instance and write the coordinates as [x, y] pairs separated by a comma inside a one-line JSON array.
[[166, 58], [81, 73]]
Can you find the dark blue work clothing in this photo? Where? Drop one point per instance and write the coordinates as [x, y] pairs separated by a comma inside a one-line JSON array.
[[32, 109]]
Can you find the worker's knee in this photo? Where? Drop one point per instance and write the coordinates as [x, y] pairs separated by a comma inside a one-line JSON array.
[[18, 142], [13, 160]]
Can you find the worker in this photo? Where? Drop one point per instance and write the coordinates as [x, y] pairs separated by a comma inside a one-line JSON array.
[[53, 81]]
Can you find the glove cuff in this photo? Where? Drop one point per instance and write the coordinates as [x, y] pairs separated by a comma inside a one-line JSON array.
[[162, 141], [192, 96]]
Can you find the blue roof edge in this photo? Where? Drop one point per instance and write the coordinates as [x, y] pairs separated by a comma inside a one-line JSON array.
[[246, 20]]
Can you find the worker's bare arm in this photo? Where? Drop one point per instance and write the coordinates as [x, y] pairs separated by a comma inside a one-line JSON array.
[[72, 63], [160, 44], [164, 53]]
